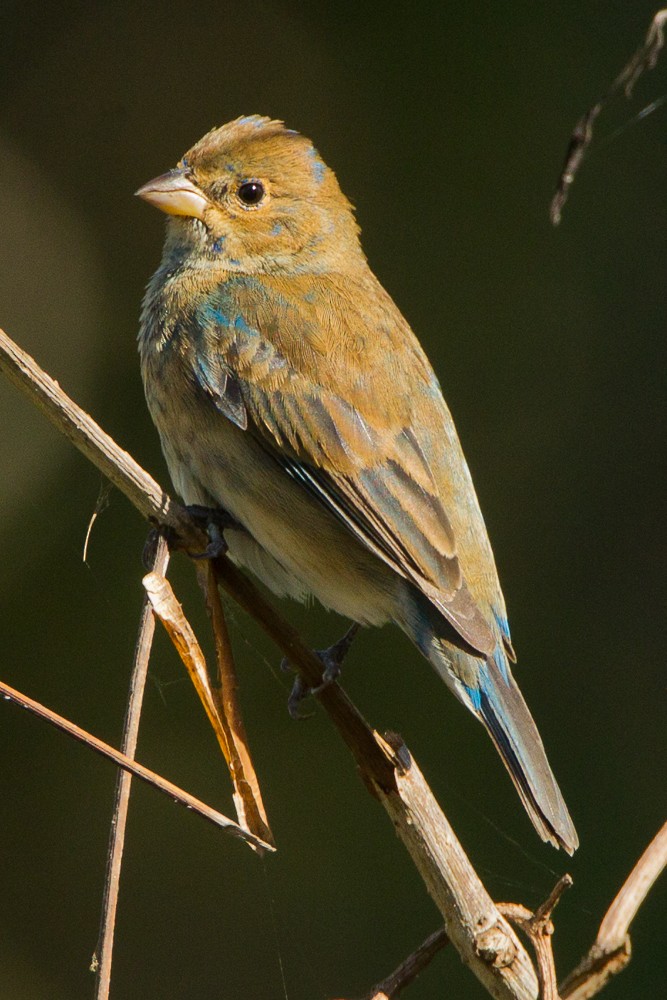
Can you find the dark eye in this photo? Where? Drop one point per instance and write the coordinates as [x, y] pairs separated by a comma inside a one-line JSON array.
[[251, 192]]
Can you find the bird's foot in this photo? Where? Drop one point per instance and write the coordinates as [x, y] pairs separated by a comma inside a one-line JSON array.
[[212, 520], [331, 659]]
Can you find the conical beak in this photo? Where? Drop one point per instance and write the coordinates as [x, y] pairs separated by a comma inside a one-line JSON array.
[[175, 194]]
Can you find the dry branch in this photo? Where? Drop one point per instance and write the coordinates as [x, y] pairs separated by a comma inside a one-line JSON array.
[[474, 924], [539, 929], [393, 985], [408, 970], [247, 794], [103, 956], [645, 58], [100, 449], [220, 704], [138, 770], [611, 951], [485, 940]]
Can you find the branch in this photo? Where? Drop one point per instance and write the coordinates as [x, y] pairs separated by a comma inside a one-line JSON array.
[[220, 703], [406, 973], [611, 951], [539, 928], [100, 449], [225, 694], [138, 770], [101, 963], [645, 58], [474, 924], [483, 937], [408, 970]]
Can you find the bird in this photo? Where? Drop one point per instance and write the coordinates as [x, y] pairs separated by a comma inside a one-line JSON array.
[[289, 392]]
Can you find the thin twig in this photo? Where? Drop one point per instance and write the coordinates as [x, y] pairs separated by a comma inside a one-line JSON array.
[[97, 446], [103, 957], [611, 951], [623, 910], [180, 631], [138, 770], [644, 59], [247, 793], [539, 929], [407, 971]]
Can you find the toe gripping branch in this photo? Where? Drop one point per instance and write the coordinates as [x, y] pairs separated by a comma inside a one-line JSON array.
[[332, 659], [211, 520]]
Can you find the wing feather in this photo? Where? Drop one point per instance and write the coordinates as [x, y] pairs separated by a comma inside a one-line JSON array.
[[366, 466]]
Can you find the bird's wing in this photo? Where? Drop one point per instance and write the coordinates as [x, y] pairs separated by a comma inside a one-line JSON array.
[[349, 441]]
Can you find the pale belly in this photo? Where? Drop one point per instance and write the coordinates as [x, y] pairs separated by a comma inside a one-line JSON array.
[[291, 542]]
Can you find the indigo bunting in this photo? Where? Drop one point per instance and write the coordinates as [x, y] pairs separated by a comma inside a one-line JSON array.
[[288, 390]]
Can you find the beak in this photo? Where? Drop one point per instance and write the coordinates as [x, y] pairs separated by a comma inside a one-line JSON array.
[[175, 194]]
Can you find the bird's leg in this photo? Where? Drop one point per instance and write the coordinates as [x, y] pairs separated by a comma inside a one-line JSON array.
[[212, 520], [331, 658]]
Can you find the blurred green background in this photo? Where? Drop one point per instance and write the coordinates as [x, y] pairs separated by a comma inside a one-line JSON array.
[[446, 124]]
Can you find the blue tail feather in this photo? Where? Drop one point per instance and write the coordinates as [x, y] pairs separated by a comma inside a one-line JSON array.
[[487, 688], [500, 706]]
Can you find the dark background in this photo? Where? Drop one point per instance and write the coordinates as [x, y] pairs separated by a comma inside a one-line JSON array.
[[446, 124]]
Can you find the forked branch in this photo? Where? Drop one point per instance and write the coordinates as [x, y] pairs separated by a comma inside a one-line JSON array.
[[474, 924]]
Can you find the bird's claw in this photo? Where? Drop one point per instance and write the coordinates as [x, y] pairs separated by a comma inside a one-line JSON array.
[[217, 546], [331, 660], [212, 520], [299, 692]]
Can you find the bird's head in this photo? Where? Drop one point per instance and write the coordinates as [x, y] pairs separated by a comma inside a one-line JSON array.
[[256, 197]]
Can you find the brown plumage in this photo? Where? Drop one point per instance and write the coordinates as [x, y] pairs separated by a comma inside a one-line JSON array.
[[288, 389]]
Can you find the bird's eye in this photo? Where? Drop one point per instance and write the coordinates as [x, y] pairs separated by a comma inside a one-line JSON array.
[[251, 193]]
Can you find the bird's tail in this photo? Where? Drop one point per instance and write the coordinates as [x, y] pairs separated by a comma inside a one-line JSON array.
[[495, 699]]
